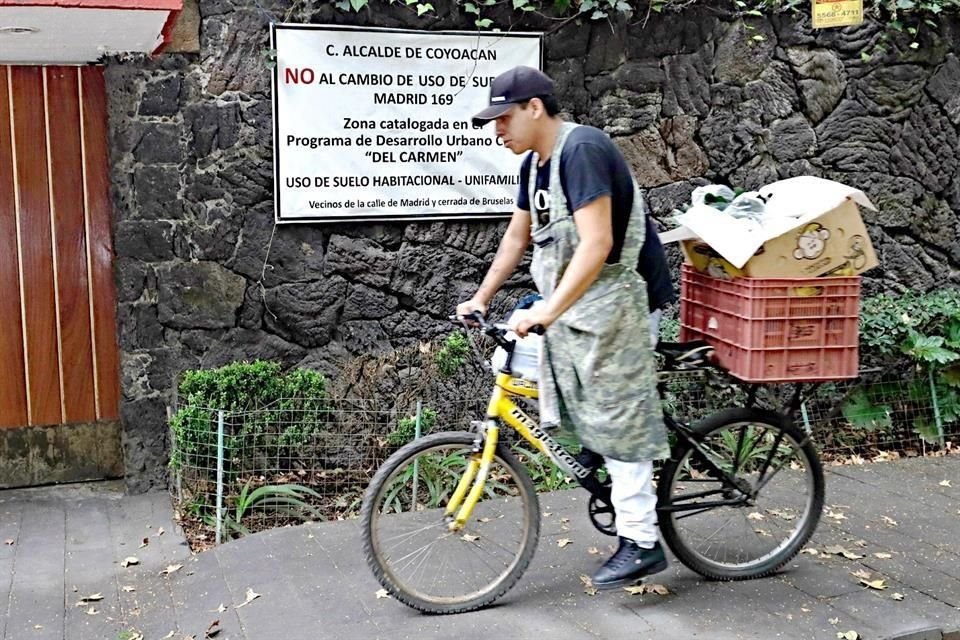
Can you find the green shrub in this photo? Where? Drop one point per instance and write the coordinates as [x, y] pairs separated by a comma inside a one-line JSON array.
[[406, 429], [266, 411], [452, 354], [922, 332]]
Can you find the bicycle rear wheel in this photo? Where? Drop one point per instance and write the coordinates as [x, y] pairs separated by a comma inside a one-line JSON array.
[[777, 502], [409, 546]]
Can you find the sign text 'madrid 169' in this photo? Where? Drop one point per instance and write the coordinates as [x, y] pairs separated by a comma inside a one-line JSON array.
[[374, 124]]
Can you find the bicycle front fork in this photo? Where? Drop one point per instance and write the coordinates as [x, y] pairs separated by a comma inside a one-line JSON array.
[[465, 496]]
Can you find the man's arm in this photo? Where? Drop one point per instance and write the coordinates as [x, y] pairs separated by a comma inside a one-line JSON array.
[[595, 229], [512, 247]]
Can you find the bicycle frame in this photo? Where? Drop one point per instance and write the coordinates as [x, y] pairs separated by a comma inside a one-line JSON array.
[[502, 409]]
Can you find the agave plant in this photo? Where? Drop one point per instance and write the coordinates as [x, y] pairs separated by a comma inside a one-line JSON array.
[[286, 499]]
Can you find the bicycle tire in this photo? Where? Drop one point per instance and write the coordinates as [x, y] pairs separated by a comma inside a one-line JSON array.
[[468, 602], [715, 423]]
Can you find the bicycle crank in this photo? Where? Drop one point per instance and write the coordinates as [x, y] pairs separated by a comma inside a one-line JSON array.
[[602, 515]]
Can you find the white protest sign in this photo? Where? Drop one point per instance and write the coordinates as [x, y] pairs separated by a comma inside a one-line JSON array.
[[374, 124]]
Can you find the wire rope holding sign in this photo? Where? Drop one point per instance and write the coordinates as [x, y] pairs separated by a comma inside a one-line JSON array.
[[374, 124]]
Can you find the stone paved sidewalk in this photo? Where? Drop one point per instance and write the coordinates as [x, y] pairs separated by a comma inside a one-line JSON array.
[[70, 542]]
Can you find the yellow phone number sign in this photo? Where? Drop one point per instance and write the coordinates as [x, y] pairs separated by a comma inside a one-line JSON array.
[[837, 13]]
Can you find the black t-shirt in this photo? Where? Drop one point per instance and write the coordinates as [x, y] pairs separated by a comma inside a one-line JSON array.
[[592, 166]]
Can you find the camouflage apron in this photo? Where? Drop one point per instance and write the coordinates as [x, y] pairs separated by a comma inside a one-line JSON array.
[[597, 371]]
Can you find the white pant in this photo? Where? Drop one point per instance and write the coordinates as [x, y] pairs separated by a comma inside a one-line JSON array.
[[634, 500]]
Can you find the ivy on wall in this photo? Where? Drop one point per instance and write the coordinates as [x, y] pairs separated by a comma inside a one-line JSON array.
[[909, 17]]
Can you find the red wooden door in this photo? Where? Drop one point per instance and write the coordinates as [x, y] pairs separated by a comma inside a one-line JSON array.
[[58, 345]]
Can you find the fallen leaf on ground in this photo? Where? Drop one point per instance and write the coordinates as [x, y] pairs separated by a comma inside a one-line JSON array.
[[836, 515], [251, 596], [92, 611], [213, 629], [889, 521], [783, 515], [834, 620], [484, 519], [848, 635], [144, 543], [382, 593], [547, 514], [562, 542], [896, 596], [883, 556], [136, 635], [756, 515], [470, 538], [129, 561], [171, 569], [593, 551], [588, 587], [945, 483], [219, 609], [38, 626], [128, 588], [93, 597], [804, 609], [647, 587], [160, 532], [811, 551], [861, 573], [879, 585], [8, 541], [838, 550], [169, 635]]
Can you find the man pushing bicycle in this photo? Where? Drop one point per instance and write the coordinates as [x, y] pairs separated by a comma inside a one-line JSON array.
[[604, 278]]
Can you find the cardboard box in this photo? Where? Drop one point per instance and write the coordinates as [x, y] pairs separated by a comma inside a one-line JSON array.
[[812, 228]]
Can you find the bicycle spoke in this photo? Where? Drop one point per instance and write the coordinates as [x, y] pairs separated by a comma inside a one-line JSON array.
[[688, 514], [425, 563], [773, 452], [754, 452]]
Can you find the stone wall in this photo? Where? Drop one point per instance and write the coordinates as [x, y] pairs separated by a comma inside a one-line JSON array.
[[204, 277]]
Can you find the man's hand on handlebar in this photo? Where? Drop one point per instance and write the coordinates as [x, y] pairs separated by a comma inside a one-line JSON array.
[[527, 321], [470, 307]]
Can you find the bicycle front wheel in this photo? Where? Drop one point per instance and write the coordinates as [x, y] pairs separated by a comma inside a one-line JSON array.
[[751, 529], [406, 538]]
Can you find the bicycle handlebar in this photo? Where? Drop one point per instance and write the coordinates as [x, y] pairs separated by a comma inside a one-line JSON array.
[[495, 330]]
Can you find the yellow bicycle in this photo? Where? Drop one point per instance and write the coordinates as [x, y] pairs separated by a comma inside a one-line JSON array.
[[450, 521]]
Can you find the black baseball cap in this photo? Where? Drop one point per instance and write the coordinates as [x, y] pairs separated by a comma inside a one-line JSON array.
[[513, 86]]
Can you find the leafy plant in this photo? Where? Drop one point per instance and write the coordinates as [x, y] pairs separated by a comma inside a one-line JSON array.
[[453, 353], [406, 429], [286, 499], [925, 330], [545, 474], [437, 478], [900, 18], [266, 411]]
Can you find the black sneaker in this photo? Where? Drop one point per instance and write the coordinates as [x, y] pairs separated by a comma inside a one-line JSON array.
[[630, 563]]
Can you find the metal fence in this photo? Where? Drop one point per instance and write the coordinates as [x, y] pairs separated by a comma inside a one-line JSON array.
[[332, 448]]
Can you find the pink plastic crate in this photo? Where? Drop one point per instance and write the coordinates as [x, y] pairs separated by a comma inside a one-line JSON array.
[[775, 329]]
